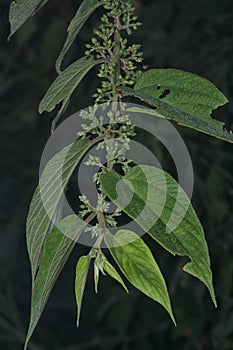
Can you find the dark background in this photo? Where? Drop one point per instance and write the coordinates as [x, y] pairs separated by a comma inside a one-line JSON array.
[[194, 35]]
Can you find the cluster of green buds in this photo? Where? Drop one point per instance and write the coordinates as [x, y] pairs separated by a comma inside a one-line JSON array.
[[103, 207], [119, 68], [120, 59], [118, 134]]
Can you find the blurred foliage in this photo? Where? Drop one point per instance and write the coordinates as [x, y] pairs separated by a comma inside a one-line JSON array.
[[194, 35]]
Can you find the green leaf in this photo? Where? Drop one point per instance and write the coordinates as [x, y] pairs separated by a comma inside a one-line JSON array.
[[112, 272], [138, 265], [211, 127], [57, 249], [65, 84], [86, 8], [80, 281], [181, 96], [187, 91], [161, 207], [47, 196], [21, 11]]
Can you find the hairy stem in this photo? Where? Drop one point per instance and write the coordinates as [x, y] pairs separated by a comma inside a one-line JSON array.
[[116, 60]]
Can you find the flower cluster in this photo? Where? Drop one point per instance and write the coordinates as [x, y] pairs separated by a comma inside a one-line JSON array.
[[120, 59], [119, 63]]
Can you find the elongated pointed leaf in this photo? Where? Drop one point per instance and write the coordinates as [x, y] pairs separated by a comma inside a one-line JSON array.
[[138, 265], [65, 84], [184, 97], [163, 210], [80, 281], [112, 272], [56, 251], [21, 11], [85, 10], [47, 196]]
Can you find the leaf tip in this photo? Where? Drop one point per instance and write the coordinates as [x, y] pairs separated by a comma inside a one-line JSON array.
[[40, 109], [26, 342], [171, 314], [125, 288], [13, 30], [173, 319], [214, 299], [9, 37], [78, 319], [58, 65]]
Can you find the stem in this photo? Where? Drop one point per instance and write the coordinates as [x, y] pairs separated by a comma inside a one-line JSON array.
[[118, 64], [101, 220], [116, 57], [116, 60]]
